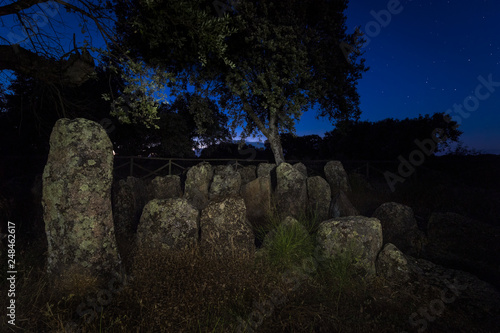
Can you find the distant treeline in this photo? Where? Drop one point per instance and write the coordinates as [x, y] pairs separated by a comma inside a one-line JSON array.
[[356, 140]]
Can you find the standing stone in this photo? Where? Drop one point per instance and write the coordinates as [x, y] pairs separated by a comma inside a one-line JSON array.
[[198, 182], [358, 237], [248, 173], [168, 224], [400, 227], [77, 200], [291, 191], [165, 187], [301, 167], [318, 197], [264, 169], [342, 206], [257, 197], [336, 177], [226, 183], [225, 230], [129, 197]]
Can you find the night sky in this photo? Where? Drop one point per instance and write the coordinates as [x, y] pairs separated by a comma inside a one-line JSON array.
[[427, 59]]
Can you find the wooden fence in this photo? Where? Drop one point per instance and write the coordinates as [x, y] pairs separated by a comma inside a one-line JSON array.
[[144, 167]]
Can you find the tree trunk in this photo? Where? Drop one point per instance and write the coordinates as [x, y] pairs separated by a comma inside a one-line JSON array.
[[275, 142]]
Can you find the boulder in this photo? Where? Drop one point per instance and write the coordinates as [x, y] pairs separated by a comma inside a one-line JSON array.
[[198, 181], [318, 197], [358, 237], [264, 169], [392, 265], [342, 206], [226, 183], [336, 177], [400, 227], [77, 200], [248, 173], [168, 224], [291, 191], [257, 197], [479, 299], [165, 187], [225, 230], [301, 167], [466, 244]]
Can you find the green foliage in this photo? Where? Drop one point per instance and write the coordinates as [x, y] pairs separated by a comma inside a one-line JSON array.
[[266, 62]]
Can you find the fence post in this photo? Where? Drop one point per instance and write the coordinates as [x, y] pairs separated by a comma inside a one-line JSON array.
[[131, 166], [170, 167]]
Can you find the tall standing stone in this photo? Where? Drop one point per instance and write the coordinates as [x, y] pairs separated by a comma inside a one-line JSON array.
[[318, 197], [291, 191], [77, 199], [257, 197], [198, 183], [337, 177]]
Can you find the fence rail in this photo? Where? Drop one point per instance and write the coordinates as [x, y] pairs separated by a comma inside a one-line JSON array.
[[155, 166], [144, 167]]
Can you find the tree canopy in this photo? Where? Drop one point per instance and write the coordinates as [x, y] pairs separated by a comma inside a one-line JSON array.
[[266, 63]]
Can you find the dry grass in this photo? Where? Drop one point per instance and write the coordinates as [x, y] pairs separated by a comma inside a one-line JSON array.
[[192, 291]]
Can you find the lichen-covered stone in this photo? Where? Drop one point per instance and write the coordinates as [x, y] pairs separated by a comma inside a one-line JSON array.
[[342, 206], [168, 224], [257, 197], [336, 177], [318, 197], [248, 173], [77, 199], [165, 187], [392, 265], [400, 227], [226, 183], [129, 197], [291, 191], [264, 169], [225, 229], [197, 186], [357, 236], [301, 167]]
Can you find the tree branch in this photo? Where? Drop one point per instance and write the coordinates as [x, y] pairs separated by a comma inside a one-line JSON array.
[[18, 6], [73, 71]]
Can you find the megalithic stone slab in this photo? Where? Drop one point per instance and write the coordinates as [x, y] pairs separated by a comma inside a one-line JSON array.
[[77, 199]]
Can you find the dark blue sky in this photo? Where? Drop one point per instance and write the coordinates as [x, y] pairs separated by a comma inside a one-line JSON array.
[[427, 59]]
